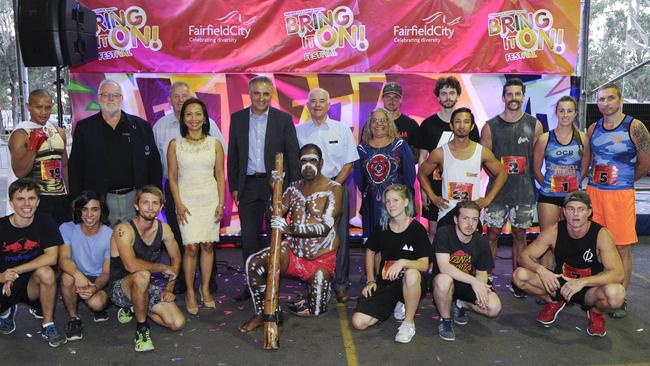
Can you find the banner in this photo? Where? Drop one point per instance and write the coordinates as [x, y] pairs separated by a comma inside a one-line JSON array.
[[301, 36]]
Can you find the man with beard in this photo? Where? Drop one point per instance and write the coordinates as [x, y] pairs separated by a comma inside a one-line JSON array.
[[135, 253], [309, 251], [407, 128], [339, 149], [113, 153], [588, 270], [84, 260], [620, 147], [461, 161], [511, 135], [38, 151], [434, 132]]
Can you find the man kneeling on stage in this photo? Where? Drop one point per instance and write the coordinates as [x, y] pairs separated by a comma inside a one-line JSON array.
[[588, 269], [309, 251]]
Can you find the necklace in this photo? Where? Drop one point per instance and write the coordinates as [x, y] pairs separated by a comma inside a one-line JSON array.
[[188, 138]]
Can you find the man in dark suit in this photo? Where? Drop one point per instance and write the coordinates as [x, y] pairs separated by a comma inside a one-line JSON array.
[[114, 154], [257, 133]]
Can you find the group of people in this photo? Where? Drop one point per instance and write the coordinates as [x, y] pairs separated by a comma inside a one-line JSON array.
[[115, 174]]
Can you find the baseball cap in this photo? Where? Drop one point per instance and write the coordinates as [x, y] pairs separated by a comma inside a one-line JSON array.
[[578, 196], [392, 87]]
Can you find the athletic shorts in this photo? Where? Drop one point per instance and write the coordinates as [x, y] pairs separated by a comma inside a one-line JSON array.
[[307, 268], [553, 200], [615, 210], [18, 293], [381, 303], [521, 216], [464, 291], [119, 298], [577, 298]]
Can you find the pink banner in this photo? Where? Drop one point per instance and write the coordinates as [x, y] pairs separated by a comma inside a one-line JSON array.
[[441, 36]]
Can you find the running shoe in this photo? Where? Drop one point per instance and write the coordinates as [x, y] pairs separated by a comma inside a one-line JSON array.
[[8, 324], [400, 311], [460, 315], [36, 311], [446, 330], [73, 330], [596, 326], [549, 313], [517, 292], [100, 316], [52, 336], [143, 342], [620, 312], [405, 333], [124, 315]]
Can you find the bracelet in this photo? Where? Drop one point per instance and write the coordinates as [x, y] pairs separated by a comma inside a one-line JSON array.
[[371, 281]]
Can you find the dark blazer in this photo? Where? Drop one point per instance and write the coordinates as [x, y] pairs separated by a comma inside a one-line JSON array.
[[280, 137], [86, 166]]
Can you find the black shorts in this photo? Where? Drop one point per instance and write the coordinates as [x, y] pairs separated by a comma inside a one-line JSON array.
[[18, 293], [557, 201], [577, 298], [464, 291], [381, 303], [57, 206]]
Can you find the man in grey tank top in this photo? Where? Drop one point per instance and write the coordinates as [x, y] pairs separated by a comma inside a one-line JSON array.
[[511, 136]]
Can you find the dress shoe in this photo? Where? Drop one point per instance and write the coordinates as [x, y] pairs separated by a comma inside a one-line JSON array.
[[244, 295], [342, 296]]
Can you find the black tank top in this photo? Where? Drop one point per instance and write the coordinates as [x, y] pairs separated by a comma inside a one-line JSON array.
[[577, 258], [149, 253]]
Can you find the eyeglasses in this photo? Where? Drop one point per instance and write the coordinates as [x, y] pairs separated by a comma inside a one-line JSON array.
[[110, 95]]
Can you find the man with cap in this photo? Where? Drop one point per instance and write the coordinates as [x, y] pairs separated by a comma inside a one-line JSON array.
[[588, 269], [407, 128]]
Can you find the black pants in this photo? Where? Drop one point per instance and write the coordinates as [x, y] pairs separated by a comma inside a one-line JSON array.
[[254, 202], [57, 206]]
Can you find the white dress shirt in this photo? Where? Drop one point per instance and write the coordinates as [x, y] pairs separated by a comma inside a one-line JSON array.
[[336, 141]]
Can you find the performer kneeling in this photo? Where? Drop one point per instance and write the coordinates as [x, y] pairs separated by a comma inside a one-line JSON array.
[[309, 251], [463, 257], [588, 269], [405, 249]]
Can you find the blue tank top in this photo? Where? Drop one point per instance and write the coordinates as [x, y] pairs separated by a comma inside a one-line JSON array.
[[614, 157], [562, 167]]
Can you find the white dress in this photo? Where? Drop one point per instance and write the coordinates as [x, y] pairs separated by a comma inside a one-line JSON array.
[[198, 189]]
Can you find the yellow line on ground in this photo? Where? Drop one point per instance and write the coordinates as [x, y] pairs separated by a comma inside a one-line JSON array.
[[625, 364], [641, 277], [348, 342]]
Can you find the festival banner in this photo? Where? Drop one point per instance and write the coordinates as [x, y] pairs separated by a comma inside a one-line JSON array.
[[344, 36]]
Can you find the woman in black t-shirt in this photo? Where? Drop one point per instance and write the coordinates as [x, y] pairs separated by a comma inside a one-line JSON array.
[[404, 248]]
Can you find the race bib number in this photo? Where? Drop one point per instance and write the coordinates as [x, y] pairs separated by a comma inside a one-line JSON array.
[[514, 164], [604, 174], [573, 272], [564, 183], [51, 169], [459, 191], [384, 271]]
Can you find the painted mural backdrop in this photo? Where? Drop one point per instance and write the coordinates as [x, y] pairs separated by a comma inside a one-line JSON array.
[[442, 36], [353, 96]]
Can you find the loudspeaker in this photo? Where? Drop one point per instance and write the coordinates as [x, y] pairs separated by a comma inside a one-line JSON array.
[[56, 32]]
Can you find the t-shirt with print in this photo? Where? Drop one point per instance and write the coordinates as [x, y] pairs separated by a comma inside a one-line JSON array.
[[407, 129], [88, 253], [412, 243], [22, 245], [467, 257]]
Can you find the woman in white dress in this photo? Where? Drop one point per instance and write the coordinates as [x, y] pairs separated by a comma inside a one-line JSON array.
[[196, 180]]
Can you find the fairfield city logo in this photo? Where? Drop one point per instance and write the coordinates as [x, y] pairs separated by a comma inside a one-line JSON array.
[[326, 31], [433, 29], [121, 30], [229, 29]]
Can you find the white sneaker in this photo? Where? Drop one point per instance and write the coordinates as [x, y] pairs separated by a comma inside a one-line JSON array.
[[405, 333], [400, 311]]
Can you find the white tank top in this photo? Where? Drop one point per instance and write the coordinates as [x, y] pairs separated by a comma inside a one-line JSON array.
[[461, 179]]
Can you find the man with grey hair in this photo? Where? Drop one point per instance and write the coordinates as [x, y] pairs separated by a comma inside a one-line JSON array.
[[339, 152], [113, 153], [166, 129], [257, 133]]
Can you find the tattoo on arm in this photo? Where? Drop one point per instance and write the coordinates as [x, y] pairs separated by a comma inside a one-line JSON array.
[[642, 137], [120, 233]]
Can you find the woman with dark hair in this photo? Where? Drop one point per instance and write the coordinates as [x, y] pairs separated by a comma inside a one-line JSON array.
[[196, 180], [384, 159], [561, 151]]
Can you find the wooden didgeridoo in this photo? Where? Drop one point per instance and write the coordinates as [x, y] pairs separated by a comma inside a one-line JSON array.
[[271, 296]]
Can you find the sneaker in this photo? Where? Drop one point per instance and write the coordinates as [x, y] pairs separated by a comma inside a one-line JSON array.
[[596, 326], [517, 292], [8, 324], [400, 311], [100, 316], [405, 333], [620, 312], [52, 336], [124, 315], [446, 330], [73, 330], [549, 312], [36, 311], [143, 342], [460, 315]]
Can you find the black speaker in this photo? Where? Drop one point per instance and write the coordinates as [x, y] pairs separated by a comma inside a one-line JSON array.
[[56, 32]]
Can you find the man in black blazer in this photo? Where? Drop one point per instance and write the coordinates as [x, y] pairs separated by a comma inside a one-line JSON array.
[[257, 133], [113, 153]]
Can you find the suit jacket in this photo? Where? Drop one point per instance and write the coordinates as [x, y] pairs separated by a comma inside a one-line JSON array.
[[86, 166], [280, 137]]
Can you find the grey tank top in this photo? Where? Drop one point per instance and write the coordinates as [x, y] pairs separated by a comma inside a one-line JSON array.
[[512, 144], [149, 253]]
